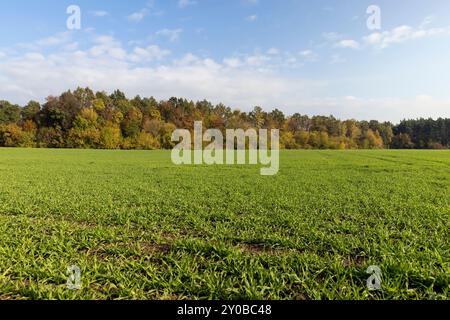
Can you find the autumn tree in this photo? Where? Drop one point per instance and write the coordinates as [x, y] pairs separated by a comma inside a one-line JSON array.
[[84, 119]]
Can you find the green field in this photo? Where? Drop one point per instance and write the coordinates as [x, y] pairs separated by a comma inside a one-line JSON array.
[[142, 228]]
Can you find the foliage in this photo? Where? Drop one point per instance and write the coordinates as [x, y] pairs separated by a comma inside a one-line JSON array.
[[12, 135], [9, 113], [84, 119], [110, 137]]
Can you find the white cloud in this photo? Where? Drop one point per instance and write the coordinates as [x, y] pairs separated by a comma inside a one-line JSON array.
[[339, 40], [171, 34], [306, 53], [105, 39], [107, 45], [374, 38], [34, 56], [106, 65], [348, 43], [257, 60], [332, 36], [402, 34], [252, 18], [424, 97], [138, 16], [186, 3], [427, 21], [232, 62], [186, 60], [271, 60], [149, 53], [290, 61], [149, 9], [384, 39], [273, 51], [71, 46], [55, 40], [241, 81], [309, 55], [99, 13]]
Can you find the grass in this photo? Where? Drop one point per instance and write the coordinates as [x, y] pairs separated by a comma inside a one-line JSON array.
[[142, 228]]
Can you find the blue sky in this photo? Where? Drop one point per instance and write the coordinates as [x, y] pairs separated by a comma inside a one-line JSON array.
[[312, 57]]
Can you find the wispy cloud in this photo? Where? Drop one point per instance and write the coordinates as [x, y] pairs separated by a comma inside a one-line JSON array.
[[99, 13], [149, 9], [427, 21], [402, 34], [138, 16], [273, 51], [348, 43], [308, 55], [385, 39], [186, 3], [105, 64], [252, 18], [171, 34], [149, 53], [332, 36], [51, 41]]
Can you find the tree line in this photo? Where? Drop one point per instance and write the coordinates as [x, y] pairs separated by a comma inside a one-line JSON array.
[[84, 119]]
